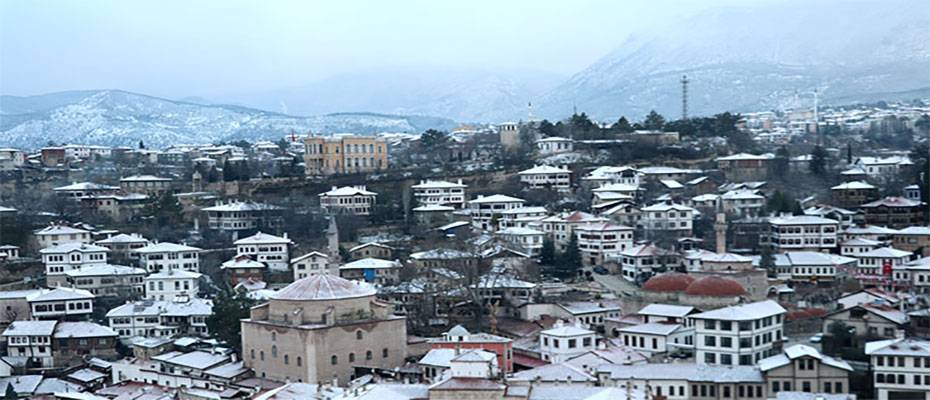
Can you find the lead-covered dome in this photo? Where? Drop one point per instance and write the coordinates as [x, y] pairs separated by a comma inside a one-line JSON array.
[[715, 286], [668, 282], [324, 287]]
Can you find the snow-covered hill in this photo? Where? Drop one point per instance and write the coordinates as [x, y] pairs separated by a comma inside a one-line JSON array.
[[752, 58], [113, 117]]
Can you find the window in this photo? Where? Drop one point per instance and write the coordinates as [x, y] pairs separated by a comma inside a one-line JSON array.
[[285, 359], [806, 386], [358, 335], [334, 360], [299, 361], [252, 353], [274, 351], [384, 353], [368, 355], [351, 357], [261, 355]]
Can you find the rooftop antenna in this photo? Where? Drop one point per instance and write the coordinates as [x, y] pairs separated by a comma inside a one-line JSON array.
[[684, 97]]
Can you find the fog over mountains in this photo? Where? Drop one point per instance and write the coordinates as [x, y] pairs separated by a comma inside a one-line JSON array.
[[737, 59]]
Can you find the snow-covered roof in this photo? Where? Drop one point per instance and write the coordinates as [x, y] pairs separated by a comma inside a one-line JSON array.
[[174, 274], [165, 247], [854, 185], [60, 294], [70, 247], [496, 198], [430, 184], [242, 206], [242, 262], [324, 287], [685, 371], [105, 270], [263, 238], [370, 263], [30, 328], [914, 230], [797, 351], [802, 220], [66, 330], [441, 254], [553, 372], [519, 231], [899, 347], [743, 312], [433, 208], [192, 306], [745, 157], [503, 282], [602, 227], [84, 186], [892, 202], [652, 328], [671, 184], [884, 252], [544, 169], [196, 359], [666, 310], [228, 370], [59, 230], [566, 330], [122, 238], [438, 358], [666, 207], [144, 178], [348, 191]]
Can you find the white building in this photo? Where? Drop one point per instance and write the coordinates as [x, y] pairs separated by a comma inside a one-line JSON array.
[[809, 266], [57, 234], [899, 368], [169, 256], [742, 202], [803, 232], [124, 245], [669, 217], [547, 177], [879, 166], [356, 200], [243, 216], [654, 338], [875, 262], [554, 145], [147, 184], [738, 335], [61, 303], [522, 217], [374, 270], [563, 342], [611, 193], [641, 261], [30, 340], [602, 241], [172, 283], [313, 263], [853, 247], [440, 193], [272, 250], [83, 190], [161, 318], [105, 279], [625, 175], [484, 210], [70, 256], [527, 240], [561, 227]]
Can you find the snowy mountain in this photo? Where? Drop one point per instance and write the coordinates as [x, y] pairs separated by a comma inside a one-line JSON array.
[[113, 117], [755, 58], [460, 93]]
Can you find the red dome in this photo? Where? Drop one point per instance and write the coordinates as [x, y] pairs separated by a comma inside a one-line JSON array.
[[669, 282], [715, 286]]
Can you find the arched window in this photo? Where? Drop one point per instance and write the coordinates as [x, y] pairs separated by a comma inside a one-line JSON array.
[[368, 355], [300, 361], [261, 355], [285, 359], [334, 360], [384, 352], [351, 357], [274, 351], [274, 336], [358, 334], [252, 352]]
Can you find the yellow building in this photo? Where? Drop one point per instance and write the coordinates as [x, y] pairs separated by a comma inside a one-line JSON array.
[[344, 154]]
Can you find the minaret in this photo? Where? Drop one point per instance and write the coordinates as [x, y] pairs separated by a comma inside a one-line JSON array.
[[720, 229], [196, 182], [332, 237]]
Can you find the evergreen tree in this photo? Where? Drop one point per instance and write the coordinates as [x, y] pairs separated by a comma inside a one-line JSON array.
[[767, 261], [244, 172], [228, 309], [622, 126], [229, 172], [654, 121], [433, 139], [141, 145], [923, 124], [10, 393], [547, 129], [818, 163], [547, 253], [781, 162], [570, 261]]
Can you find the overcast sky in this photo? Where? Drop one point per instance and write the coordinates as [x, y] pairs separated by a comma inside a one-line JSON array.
[[210, 48]]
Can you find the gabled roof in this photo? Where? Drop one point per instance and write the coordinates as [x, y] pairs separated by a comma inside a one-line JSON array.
[[667, 310], [70, 247], [30, 328], [798, 351], [263, 238], [430, 184], [899, 347], [496, 198], [652, 328], [165, 247], [348, 191], [854, 185], [60, 294], [85, 186], [743, 312], [802, 220], [892, 201], [370, 263], [544, 169], [885, 252], [59, 230], [122, 238]]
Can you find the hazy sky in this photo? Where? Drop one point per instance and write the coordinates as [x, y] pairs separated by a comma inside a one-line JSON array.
[[210, 48]]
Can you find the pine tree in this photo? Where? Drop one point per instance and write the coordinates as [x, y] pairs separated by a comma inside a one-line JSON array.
[[10, 392], [622, 126], [547, 253], [818, 163], [654, 121], [570, 261], [228, 310]]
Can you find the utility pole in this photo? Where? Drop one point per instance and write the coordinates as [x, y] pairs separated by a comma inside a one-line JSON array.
[[684, 97]]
